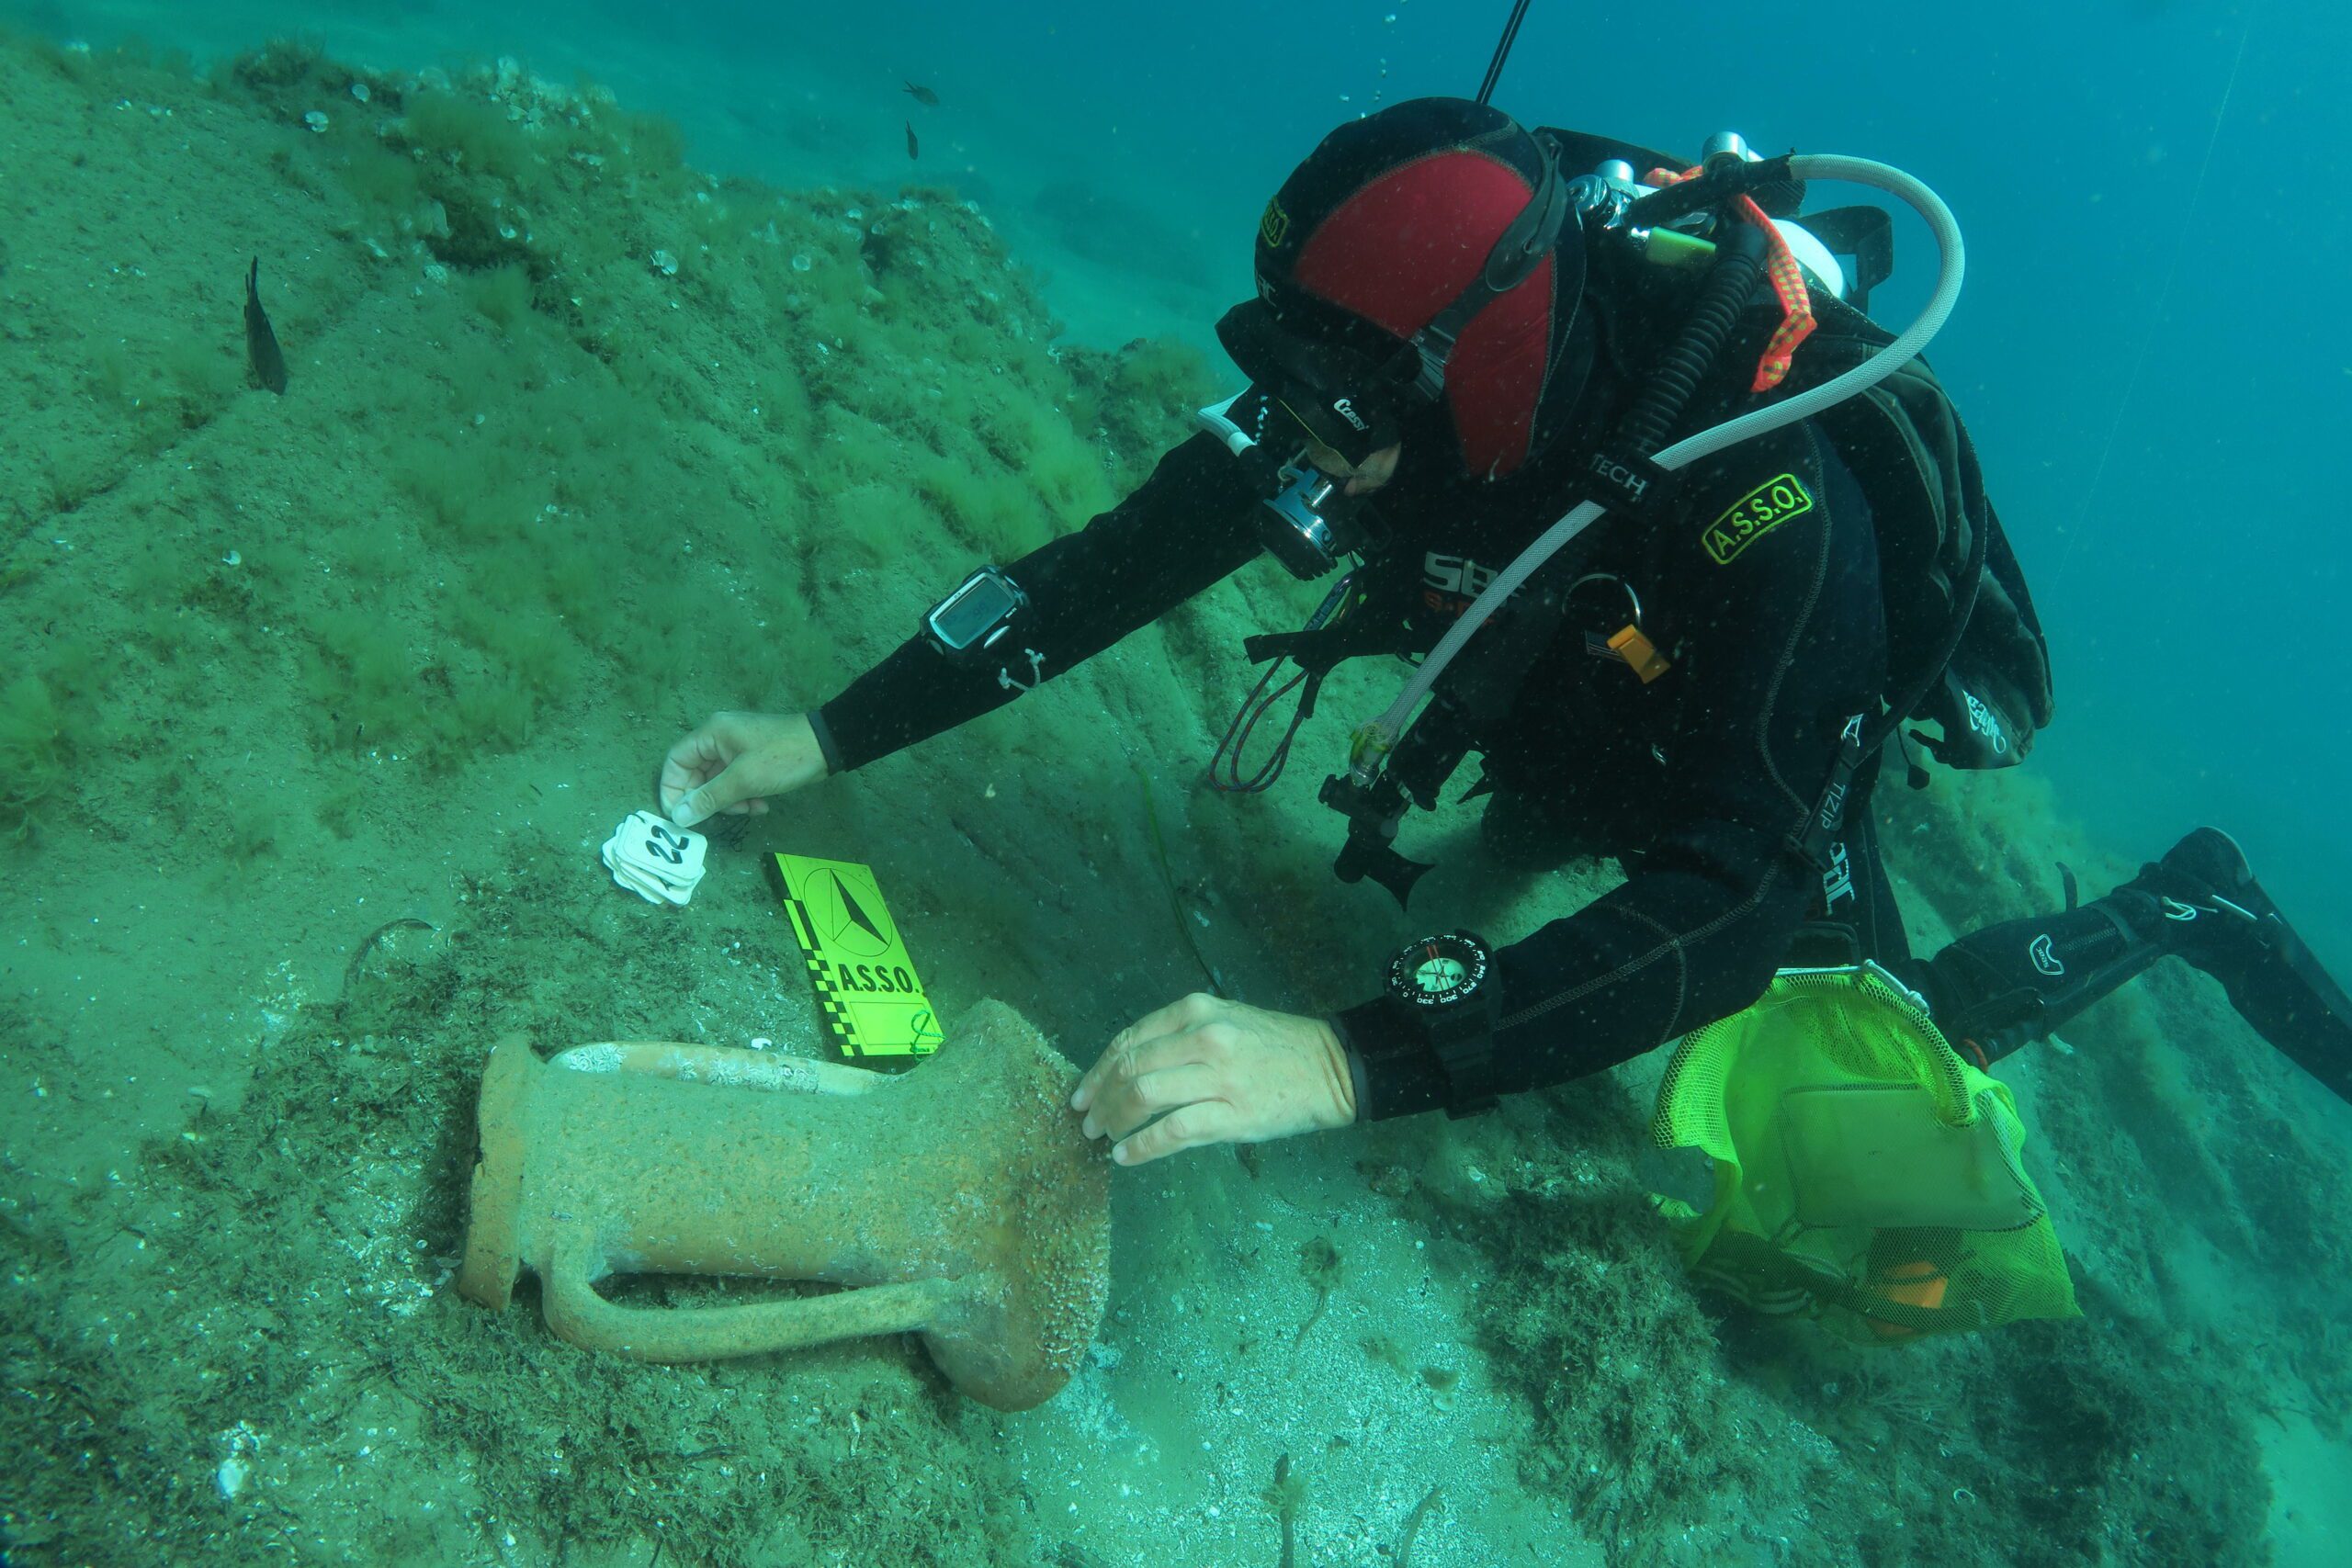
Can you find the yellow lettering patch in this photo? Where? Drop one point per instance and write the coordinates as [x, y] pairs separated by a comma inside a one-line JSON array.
[[1274, 226], [864, 981], [1755, 514]]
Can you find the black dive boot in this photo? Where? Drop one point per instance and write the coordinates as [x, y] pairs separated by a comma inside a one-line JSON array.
[[1998, 989], [2217, 916]]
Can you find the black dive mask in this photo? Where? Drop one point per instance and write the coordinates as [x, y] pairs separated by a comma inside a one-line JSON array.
[[1321, 372], [1348, 401], [1347, 384]]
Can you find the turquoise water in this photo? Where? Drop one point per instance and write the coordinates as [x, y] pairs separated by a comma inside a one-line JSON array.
[[403, 646]]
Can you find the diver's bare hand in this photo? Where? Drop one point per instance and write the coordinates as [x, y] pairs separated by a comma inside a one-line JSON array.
[[1214, 1071], [736, 762]]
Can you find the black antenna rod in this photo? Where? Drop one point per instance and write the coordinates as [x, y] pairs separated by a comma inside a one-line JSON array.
[[1502, 49]]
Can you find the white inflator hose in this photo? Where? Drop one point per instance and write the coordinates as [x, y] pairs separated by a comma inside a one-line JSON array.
[[1375, 739]]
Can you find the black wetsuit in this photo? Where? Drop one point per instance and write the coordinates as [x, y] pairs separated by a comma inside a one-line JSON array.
[[1759, 584]]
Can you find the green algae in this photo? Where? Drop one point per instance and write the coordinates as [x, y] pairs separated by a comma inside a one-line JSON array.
[[36, 754], [503, 489]]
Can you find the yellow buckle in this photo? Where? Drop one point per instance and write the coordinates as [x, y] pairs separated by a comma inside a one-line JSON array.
[[1637, 650]]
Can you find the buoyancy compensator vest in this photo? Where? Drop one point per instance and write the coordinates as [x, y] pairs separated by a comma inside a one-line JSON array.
[[1905, 445]]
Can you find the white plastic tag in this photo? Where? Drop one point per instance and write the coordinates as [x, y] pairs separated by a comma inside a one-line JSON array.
[[658, 862]]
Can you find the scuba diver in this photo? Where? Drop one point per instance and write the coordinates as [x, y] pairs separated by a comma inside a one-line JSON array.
[[1462, 330]]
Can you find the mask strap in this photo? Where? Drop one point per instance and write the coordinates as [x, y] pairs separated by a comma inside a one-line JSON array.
[[1532, 236]]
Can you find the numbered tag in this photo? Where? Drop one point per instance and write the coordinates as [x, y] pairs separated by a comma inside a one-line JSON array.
[[668, 851], [654, 859]]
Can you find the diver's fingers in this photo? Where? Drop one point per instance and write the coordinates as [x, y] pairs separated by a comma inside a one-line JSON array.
[[1131, 1054], [1204, 1121], [1173, 1021], [690, 762], [721, 793], [1185, 1012], [700, 751], [1127, 1105]]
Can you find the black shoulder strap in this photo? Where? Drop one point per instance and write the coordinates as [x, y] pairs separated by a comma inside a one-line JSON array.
[[1865, 233]]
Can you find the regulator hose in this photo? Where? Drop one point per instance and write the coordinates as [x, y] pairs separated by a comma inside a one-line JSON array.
[[1730, 284], [1374, 739]]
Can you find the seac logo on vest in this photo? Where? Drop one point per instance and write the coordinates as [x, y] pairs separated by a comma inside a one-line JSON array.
[[1755, 514], [1456, 574], [1274, 224], [1450, 582]]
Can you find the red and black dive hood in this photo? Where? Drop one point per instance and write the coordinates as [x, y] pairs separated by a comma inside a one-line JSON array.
[[1427, 253]]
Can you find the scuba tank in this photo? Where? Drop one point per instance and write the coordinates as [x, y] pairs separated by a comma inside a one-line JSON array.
[[1707, 223]]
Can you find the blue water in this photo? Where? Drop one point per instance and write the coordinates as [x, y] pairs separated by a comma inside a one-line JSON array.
[[2150, 350]]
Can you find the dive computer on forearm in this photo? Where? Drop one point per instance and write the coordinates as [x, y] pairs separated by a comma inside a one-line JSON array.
[[973, 625]]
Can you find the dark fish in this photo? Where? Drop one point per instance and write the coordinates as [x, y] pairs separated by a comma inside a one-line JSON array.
[[261, 343], [922, 95], [911, 151]]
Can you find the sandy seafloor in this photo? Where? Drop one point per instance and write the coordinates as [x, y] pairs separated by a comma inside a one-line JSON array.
[[580, 445]]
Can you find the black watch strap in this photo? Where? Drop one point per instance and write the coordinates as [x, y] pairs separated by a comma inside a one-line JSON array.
[[1464, 1039], [1409, 1066], [1401, 1075]]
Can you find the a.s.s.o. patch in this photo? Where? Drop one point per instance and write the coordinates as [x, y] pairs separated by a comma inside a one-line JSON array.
[[1755, 514]]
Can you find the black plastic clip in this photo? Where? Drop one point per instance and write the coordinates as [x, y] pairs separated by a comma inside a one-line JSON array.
[[1720, 184], [1813, 840], [1373, 812], [1627, 483]]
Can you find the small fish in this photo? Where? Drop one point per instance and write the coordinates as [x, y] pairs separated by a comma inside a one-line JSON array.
[[261, 343], [922, 95], [911, 151]]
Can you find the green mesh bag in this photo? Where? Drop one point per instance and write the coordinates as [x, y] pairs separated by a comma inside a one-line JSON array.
[[1862, 1170]]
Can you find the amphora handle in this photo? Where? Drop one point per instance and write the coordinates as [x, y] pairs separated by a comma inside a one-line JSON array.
[[576, 1311]]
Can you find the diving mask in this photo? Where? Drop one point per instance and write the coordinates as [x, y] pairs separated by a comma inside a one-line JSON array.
[[1349, 401]]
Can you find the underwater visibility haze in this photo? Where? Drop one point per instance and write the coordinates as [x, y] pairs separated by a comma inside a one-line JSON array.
[[424, 1124]]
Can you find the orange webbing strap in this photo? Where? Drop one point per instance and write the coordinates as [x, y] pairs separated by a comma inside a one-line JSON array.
[[1787, 283]]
